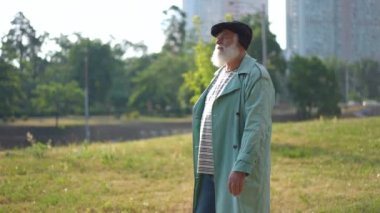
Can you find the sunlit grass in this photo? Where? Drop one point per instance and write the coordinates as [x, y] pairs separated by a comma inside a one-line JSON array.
[[317, 166], [133, 177], [326, 166]]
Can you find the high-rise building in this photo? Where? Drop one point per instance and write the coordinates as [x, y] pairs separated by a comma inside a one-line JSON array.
[[346, 29], [214, 11]]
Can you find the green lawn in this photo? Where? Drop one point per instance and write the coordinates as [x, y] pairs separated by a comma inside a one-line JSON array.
[[317, 166]]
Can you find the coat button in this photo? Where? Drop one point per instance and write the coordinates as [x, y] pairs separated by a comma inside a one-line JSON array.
[[234, 146], [238, 113]]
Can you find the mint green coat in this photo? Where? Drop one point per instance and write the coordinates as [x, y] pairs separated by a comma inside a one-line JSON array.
[[241, 135]]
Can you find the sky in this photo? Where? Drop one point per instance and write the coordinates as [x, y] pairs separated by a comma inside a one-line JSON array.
[[132, 20]]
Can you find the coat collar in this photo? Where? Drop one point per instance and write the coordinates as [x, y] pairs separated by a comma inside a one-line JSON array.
[[235, 83], [247, 60]]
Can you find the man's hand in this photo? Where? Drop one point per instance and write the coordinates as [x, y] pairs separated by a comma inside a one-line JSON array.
[[236, 183]]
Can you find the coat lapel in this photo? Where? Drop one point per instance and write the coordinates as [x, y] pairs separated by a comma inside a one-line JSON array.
[[234, 83], [199, 104]]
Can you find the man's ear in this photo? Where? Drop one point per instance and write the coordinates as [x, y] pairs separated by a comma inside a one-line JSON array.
[[241, 49]]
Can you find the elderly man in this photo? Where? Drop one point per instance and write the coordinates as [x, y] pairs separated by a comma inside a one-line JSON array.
[[232, 129]]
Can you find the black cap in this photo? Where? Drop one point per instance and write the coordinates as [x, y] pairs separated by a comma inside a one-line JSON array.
[[243, 31]]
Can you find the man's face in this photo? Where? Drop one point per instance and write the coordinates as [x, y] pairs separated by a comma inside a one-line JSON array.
[[226, 48], [225, 39]]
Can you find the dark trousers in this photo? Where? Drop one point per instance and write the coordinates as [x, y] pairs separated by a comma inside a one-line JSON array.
[[206, 198]]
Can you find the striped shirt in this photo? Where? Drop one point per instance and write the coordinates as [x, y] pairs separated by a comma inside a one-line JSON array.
[[205, 154]]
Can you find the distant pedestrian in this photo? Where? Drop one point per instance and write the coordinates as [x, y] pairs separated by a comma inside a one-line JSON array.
[[232, 129]]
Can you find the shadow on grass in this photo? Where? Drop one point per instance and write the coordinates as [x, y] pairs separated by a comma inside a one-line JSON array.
[[338, 156], [293, 151]]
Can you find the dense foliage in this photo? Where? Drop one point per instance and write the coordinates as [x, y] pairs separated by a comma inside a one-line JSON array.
[[166, 83], [313, 86]]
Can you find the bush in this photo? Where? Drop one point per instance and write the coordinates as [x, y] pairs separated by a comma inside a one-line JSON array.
[[37, 149]]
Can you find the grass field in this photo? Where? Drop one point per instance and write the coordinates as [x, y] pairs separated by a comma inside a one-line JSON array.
[[317, 166]]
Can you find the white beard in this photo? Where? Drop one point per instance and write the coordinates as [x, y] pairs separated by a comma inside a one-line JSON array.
[[222, 57]]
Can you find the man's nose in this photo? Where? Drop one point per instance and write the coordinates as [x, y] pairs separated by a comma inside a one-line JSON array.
[[218, 41]]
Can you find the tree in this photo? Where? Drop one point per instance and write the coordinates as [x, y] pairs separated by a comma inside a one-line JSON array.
[[358, 81], [156, 87], [22, 44], [99, 60], [123, 85], [58, 99], [174, 29], [313, 87], [21, 47], [276, 63], [367, 75], [10, 90], [109, 70], [342, 72], [58, 68], [195, 81], [121, 50]]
